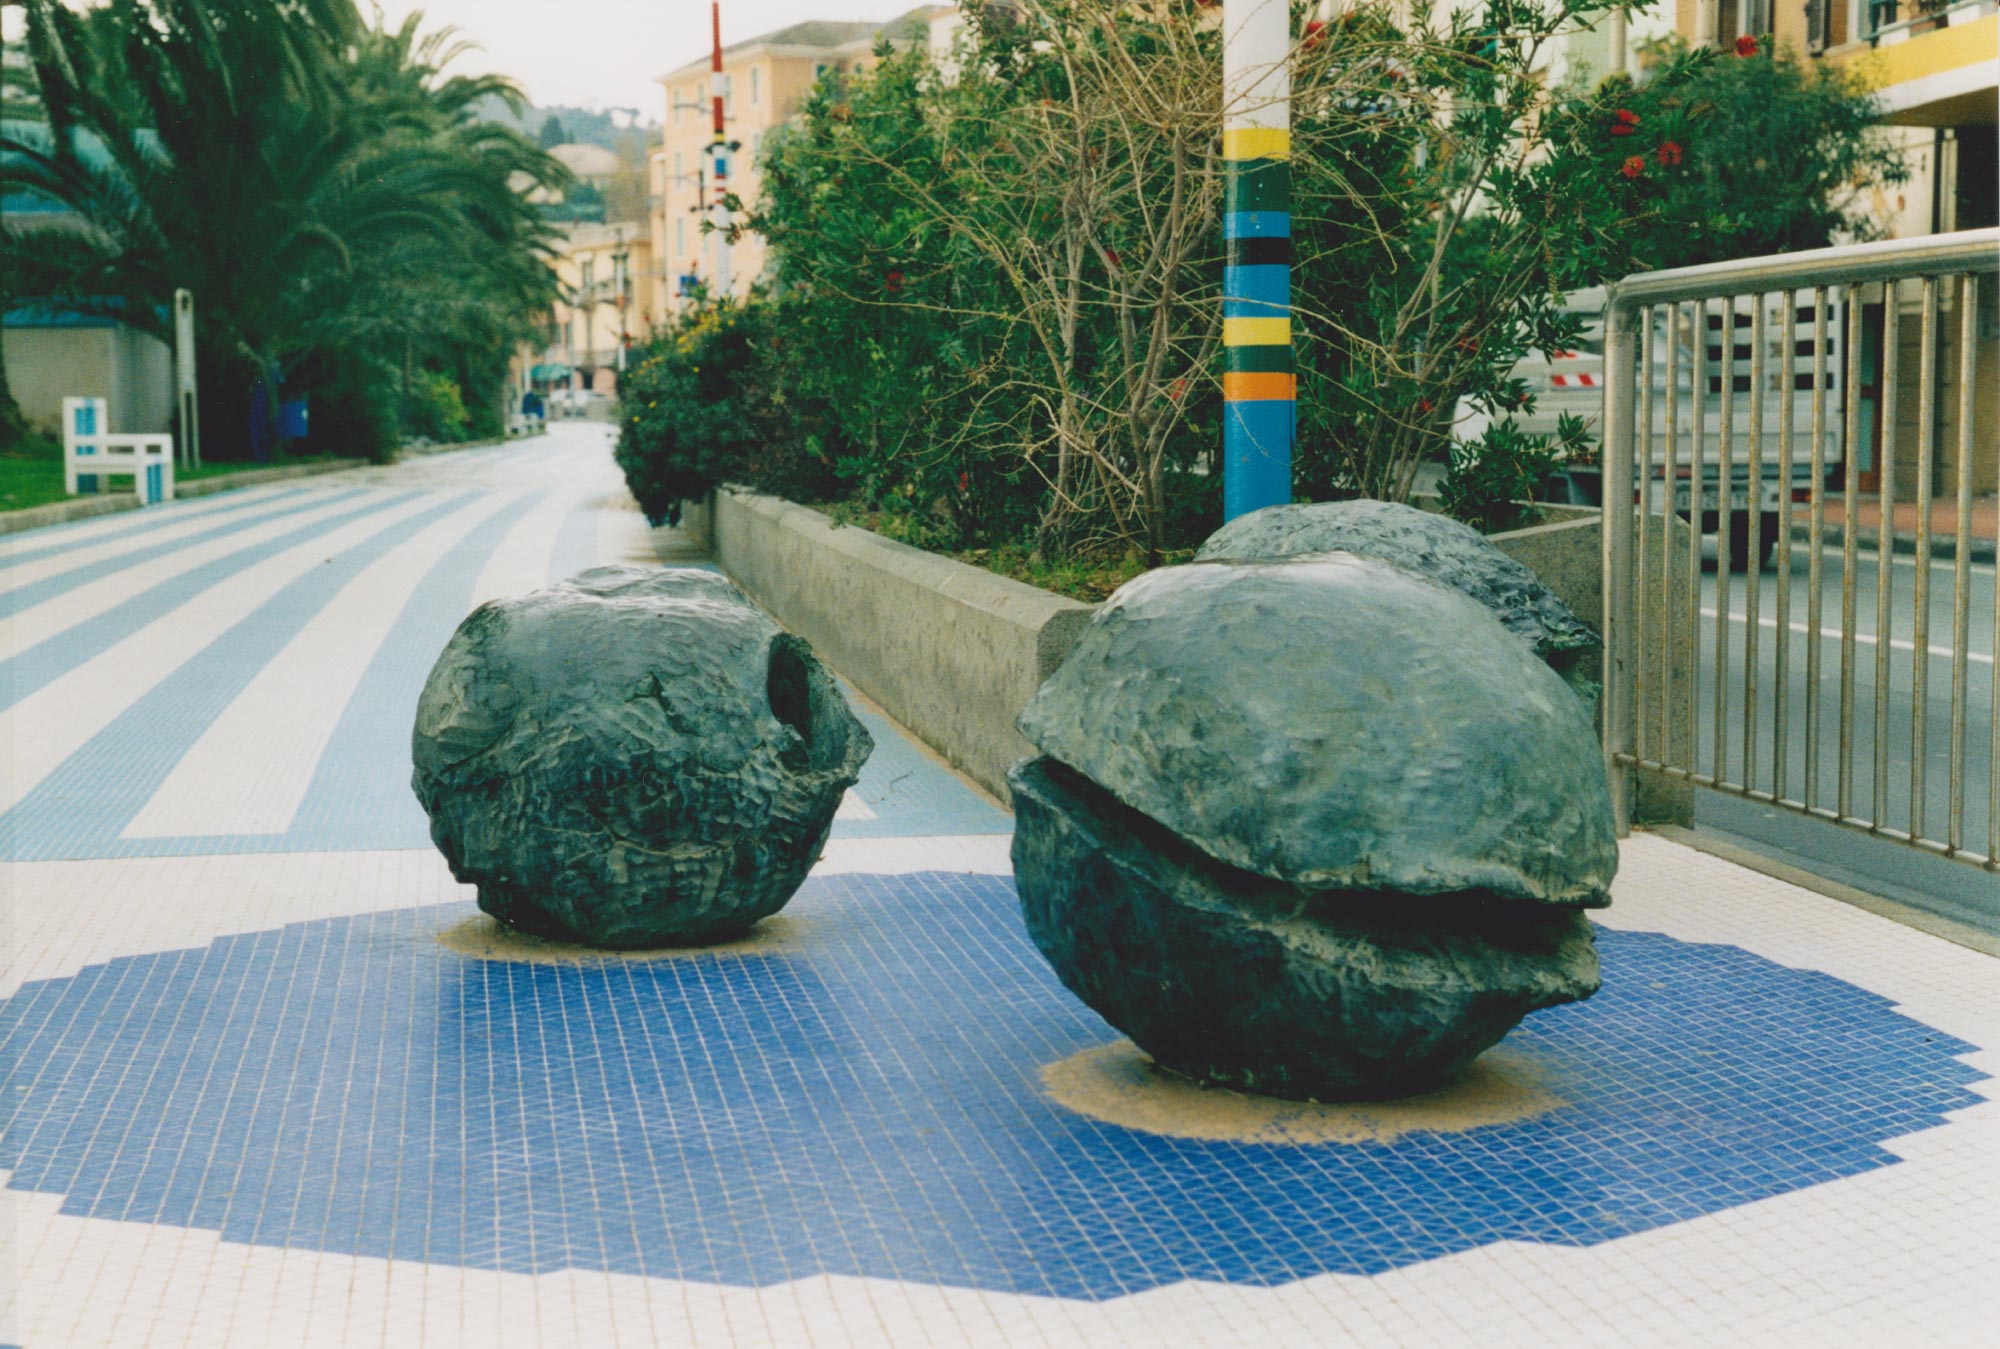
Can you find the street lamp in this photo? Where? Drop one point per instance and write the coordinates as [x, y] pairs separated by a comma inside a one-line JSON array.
[[1259, 387]]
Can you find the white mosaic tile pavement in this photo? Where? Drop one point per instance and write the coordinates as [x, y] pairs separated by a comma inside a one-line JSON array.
[[1899, 1254]]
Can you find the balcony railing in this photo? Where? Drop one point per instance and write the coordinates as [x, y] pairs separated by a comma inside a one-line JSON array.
[[1896, 20]]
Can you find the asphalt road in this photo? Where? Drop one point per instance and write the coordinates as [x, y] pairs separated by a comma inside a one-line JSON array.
[[1883, 783]]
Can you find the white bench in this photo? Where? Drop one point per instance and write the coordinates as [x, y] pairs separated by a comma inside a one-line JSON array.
[[90, 452]]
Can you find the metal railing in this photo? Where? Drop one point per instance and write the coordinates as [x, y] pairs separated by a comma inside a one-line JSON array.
[[1864, 361]]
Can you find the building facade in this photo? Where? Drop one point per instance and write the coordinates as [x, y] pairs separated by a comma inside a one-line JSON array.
[[609, 284], [765, 79]]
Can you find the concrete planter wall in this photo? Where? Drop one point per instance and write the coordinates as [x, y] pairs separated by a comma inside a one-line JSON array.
[[954, 652], [1567, 551], [951, 651]]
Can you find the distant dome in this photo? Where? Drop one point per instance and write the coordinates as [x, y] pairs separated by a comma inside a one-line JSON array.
[[588, 161]]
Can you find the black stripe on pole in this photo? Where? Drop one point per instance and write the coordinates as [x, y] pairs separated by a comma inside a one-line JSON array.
[[1260, 252]]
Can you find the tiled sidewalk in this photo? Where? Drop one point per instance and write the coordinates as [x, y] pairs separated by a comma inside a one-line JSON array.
[[270, 1079]]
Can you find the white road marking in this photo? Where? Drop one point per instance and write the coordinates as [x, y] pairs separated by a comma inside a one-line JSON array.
[[1868, 639]]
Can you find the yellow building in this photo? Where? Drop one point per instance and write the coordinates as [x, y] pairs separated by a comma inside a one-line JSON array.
[[1936, 68], [764, 81], [609, 284]]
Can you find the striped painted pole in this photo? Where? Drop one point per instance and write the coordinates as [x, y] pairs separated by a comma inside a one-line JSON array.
[[719, 151], [1258, 386]]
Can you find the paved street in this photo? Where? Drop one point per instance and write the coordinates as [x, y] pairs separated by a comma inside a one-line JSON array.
[[1887, 798], [271, 1079]]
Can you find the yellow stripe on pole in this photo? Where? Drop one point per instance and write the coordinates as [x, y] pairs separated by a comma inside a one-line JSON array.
[[1257, 142], [1256, 332]]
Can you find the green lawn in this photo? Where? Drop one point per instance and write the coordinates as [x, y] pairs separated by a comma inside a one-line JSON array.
[[31, 473]]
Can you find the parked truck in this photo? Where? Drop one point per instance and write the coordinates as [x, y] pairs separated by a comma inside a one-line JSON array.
[[1571, 382]]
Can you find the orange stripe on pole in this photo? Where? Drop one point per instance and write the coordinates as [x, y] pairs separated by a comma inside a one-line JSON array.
[[1247, 386]]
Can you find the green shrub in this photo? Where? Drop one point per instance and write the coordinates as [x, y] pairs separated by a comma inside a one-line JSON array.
[[354, 408], [1490, 482], [703, 404], [433, 408]]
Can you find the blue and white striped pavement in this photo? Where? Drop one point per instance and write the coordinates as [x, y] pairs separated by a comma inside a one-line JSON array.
[[267, 1078], [239, 674]]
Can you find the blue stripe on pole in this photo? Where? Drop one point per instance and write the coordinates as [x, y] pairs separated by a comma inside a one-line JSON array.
[[1256, 455], [1257, 225], [1256, 292]]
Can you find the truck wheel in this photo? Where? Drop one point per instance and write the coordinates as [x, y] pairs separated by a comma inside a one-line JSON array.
[[1739, 541]]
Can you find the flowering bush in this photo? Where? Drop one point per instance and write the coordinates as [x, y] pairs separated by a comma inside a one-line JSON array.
[[1760, 152], [994, 300]]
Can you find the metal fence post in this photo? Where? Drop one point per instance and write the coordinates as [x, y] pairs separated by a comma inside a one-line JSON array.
[[1620, 655]]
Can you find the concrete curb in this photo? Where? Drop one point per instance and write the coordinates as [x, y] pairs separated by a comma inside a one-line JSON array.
[[951, 651], [111, 503], [457, 445], [1946, 546], [261, 477]]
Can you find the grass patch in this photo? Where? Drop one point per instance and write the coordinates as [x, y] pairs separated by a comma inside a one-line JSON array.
[[31, 472], [1089, 579]]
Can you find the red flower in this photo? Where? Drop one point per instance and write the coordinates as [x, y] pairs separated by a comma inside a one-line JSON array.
[[964, 481], [1315, 33], [1425, 406], [1746, 45], [1176, 389], [1635, 167], [1111, 256], [1669, 154], [1623, 121], [893, 282]]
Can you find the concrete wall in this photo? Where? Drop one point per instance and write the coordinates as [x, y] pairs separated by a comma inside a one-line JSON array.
[[954, 652], [133, 371], [1567, 553], [951, 651]]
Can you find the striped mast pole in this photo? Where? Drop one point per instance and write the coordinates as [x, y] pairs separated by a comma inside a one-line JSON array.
[[718, 150], [1258, 386]]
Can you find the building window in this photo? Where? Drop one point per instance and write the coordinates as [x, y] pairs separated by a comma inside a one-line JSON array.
[[728, 95], [589, 273], [755, 92], [677, 166], [680, 236]]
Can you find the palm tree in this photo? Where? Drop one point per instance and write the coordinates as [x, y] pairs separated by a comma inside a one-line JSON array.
[[322, 188]]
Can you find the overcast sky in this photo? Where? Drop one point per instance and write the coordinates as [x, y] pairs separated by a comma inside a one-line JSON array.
[[606, 53]]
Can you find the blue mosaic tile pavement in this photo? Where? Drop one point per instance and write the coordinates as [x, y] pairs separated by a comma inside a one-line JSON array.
[[864, 1100]]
